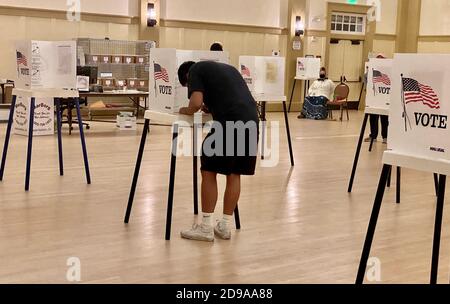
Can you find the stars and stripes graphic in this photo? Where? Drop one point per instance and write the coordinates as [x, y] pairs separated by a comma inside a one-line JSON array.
[[245, 71], [379, 77], [161, 73], [415, 91], [21, 59]]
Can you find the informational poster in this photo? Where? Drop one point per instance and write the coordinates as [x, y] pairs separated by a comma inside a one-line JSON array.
[[420, 106], [44, 117], [46, 64], [263, 75], [166, 93], [378, 92], [308, 68]]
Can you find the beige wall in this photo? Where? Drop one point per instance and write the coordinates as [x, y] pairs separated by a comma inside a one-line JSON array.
[[249, 12], [435, 17], [237, 43], [108, 7], [53, 29], [318, 9], [387, 47]]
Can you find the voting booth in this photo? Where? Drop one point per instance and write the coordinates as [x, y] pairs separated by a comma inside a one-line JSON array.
[[307, 68], [378, 99], [166, 93], [46, 64], [263, 75], [379, 75], [42, 65], [419, 136]]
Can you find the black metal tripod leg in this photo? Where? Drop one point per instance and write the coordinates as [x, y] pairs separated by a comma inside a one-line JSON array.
[[8, 136], [173, 163], [437, 230], [358, 151], [83, 142], [436, 183], [195, 168], [372, 224], [237, 218], [58, 127], [137, 170], [288, 133], [292, 95], [30, 144], [398, 188]]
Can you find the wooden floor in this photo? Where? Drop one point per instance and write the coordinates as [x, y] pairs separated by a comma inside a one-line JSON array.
[[299, 225]]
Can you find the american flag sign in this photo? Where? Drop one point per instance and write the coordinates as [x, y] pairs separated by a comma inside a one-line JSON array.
[[245, 71], [21, 59], [161, 73], [414, 91], [379, 77]]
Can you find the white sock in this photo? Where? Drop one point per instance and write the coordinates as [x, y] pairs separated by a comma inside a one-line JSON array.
[[208, 219], [226, 220]]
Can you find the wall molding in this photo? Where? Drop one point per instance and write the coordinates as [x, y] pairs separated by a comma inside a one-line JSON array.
[[434, 38], [223, 27], [390, 37], [62, 15], [316, 33]]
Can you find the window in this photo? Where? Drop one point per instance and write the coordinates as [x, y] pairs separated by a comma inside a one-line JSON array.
[[343, 23]]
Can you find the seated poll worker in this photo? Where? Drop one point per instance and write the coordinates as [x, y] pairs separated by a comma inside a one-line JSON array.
[[320, 92], [230, 148]]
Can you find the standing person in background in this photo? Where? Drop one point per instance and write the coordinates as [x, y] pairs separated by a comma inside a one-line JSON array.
[[217, 47], [374, 118]]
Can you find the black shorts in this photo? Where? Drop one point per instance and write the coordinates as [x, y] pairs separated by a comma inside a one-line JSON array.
[[230, 155]]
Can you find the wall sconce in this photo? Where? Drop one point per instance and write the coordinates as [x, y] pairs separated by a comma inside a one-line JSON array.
[[299, 26], [151, 15]]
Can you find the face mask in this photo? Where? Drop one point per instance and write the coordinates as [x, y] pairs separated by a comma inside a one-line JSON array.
[[322, 76]]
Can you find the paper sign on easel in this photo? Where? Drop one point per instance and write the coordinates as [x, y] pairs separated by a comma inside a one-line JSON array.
[[378, 93], [263, 75], [44, 117], [166, 93], [420, 106], [46, 65], [308, 68]]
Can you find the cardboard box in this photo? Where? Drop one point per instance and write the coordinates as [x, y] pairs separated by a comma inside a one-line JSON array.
[[133, 83], [142, 85], [105, 59], [264, 75], [46, 65], [92, 59], [44, 117], [120, 84], [126, 121], [117, 59], [129, 59], [166, 93], [142, 59]]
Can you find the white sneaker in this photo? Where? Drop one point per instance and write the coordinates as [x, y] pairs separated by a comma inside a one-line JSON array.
[[199, 233], [222, 232], [385, 141]]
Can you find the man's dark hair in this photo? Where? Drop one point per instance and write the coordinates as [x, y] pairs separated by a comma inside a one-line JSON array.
[[216, 47], [183, 71]]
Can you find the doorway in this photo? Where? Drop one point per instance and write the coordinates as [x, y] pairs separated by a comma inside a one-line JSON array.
[[345, 63]]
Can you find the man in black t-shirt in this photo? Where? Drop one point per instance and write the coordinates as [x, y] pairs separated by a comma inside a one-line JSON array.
[[231, 146]]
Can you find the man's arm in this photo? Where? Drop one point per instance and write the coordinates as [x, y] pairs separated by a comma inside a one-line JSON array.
[[195, 104]]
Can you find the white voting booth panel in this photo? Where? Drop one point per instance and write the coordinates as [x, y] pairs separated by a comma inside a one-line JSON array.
[[379, 81], [166, 93], [308, 68], [264, 75], [420, 106], [46, 64]]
